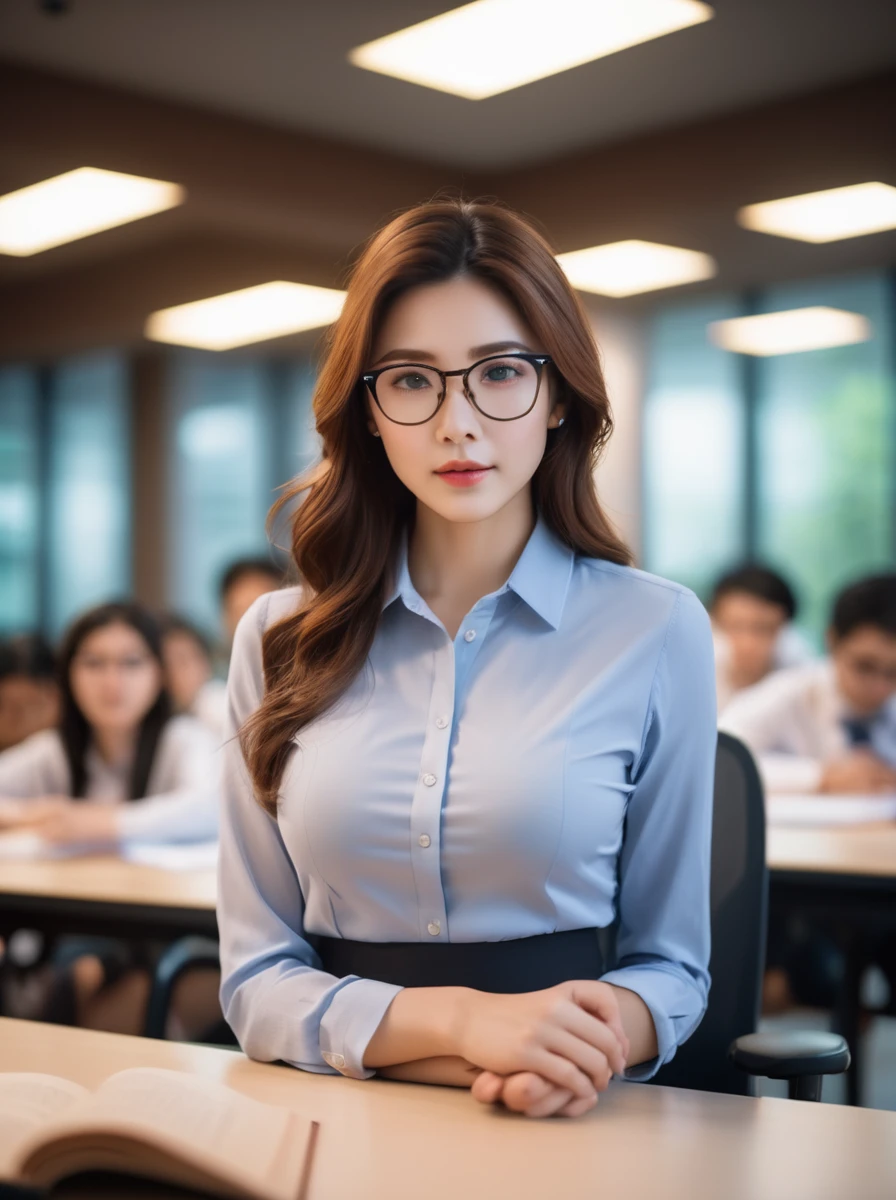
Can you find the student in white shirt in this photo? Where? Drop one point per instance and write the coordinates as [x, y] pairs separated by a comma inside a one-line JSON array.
[[752, 611], [189, 674], [118, 767], [830, 726]]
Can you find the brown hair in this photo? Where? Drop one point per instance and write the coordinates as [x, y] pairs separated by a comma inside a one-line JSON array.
[[346, 534]]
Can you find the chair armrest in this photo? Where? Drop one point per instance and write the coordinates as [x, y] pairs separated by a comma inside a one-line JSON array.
[[800, 1056], [184, 955]]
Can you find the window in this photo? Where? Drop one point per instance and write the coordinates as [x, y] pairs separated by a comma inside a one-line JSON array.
[[814, 494], [19, 500]]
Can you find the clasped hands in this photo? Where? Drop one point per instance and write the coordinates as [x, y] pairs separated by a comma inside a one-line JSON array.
[[546, 1053], [60, 819]]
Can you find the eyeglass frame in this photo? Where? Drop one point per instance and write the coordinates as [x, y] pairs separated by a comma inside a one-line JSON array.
[[539, 361]]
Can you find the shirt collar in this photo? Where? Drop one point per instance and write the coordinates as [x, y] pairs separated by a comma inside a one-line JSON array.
[[540, 578]]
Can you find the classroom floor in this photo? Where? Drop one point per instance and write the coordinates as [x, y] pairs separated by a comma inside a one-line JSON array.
[[880, 1060]]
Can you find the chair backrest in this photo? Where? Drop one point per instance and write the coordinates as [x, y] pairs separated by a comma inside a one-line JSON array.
[[739, 908]]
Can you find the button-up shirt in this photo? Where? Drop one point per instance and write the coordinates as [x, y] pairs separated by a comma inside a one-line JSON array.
[[546, 768], [795, 722]]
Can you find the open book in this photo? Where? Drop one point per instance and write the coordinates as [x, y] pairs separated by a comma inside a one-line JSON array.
[[160, 1124]]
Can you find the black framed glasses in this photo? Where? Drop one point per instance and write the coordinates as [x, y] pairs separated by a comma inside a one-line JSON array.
[[503, 387]]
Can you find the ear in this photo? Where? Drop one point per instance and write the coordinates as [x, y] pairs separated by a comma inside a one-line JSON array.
[[557, 415]]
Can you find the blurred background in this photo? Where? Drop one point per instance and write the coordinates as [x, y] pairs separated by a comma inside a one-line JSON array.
[[144, 465]]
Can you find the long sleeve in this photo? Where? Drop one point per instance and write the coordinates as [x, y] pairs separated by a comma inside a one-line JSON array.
[[34, 768], [765, 718], [186, 809], [663, 938], [277, 1000]]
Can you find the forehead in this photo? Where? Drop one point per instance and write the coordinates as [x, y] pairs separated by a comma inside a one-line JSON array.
[[868, 640], [744, 606], [448, 319], [115, 637]]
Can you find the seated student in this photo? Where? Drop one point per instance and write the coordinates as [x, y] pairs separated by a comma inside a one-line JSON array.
[[752, 610], [189, 673], [29, 693], [118, 767], [116, 743], [830, 726]]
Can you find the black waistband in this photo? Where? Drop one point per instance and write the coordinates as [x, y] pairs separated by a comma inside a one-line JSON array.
[[521, 965]]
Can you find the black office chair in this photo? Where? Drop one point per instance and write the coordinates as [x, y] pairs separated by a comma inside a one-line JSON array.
[[725, 1053]]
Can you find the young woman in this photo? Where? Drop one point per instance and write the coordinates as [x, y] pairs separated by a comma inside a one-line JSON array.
[[117, 743], [476, 735], [117, 768]]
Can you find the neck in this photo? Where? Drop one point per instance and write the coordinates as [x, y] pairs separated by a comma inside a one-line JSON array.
[[115, 746], [455, 563]]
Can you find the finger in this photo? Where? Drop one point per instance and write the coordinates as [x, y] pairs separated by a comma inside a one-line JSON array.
[[603, 1006], [577, 1108], [597, 1034], [487, 1087], [594, 1063], [561, 1071], [533, 1096]]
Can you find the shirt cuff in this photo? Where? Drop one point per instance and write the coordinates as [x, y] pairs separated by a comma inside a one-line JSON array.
[[674, 1005], [350, 1022]]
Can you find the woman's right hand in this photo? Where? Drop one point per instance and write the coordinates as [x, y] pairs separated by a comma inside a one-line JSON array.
[[570, 1035]]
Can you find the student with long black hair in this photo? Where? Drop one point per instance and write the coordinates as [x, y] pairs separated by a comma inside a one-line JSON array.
[[475, 735]]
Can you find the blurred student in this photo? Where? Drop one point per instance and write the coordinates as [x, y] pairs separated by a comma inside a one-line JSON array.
[[118, 766], [29, 693], [189, 674], [241, 585], [752, 611], [830, 726]]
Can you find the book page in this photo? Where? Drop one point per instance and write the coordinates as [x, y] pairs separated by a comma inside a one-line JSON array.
[[27, 1102], [255, 1147]]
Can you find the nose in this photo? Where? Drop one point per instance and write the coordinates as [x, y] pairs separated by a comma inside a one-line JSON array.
[[457, 419]]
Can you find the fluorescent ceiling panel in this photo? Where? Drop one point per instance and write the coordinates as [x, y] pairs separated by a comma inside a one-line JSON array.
[[492, 46], [627, 268], [78, 203], [253, 314], [790, 332], [828, 216]]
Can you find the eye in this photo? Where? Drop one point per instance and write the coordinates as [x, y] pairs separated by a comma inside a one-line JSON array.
[[413, 381], [502, 372]]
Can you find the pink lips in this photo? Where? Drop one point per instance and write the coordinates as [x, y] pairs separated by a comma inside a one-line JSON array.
[[463, 472]]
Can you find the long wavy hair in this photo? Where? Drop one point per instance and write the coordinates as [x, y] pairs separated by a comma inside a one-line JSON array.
[[347, 532], [74, 728]]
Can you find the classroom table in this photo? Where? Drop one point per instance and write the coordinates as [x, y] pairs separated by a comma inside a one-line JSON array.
[[106, 895], [381, 1140], [846, 876]]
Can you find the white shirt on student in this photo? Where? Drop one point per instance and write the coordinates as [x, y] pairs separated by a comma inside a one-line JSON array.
[[793, 723], [181, 801]]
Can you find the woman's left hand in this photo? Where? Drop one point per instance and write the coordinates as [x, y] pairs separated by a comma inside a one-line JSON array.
[[529, 1094], [77, 821]]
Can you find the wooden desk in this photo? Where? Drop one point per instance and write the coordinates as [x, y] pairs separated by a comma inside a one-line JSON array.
[[853, 853], [393, 1141], [106, 895]]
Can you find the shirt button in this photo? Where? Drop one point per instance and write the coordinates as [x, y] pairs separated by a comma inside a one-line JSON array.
[[434, 928], [424, 840], [470, 635], [441, 722], [429, 780], [334, 1060]]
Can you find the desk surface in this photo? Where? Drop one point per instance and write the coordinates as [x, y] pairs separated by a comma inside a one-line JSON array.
[[108, 879], [391, 1141], [863, 850]]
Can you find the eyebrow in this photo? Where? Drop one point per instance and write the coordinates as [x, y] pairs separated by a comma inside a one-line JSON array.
[[475, 353]]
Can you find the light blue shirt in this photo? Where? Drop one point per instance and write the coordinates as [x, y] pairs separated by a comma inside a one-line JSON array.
[[550, 764]]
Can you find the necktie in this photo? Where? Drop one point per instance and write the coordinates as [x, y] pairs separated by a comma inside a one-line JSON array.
[[858, 730]]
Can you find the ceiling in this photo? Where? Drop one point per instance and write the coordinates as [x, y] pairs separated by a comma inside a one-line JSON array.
[[283, 62], [290, 157]]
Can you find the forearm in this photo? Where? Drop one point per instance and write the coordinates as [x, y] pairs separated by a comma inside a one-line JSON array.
[[447, 1071], [638, 1025], [420, 1023]]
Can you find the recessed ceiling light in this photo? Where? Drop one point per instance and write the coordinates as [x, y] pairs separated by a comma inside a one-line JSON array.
[[627, 268], [790, 332], [828, 216], [78, 203], [491, 46], [251, 315]]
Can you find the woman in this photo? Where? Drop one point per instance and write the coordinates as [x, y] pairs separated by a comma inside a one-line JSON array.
[[118, 768], [477, 735], [116, 743], [189, 673]]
